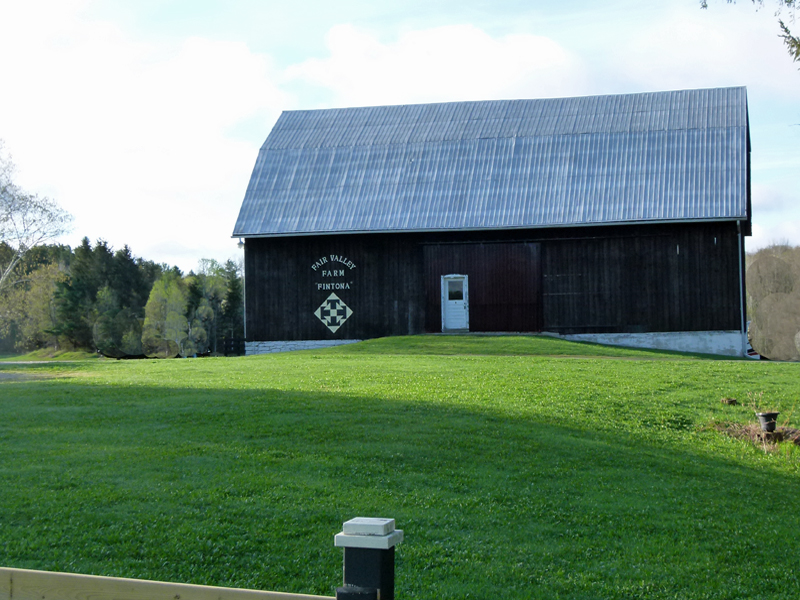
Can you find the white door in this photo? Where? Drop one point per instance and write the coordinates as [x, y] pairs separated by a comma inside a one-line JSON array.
[[455, 303]]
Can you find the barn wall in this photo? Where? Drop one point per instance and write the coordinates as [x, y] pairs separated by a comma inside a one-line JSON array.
[[638, 279], [504, 283], [379, 277], [663, 278]]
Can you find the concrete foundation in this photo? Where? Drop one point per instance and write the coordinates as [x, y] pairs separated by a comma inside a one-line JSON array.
[[726, 343], [271, 347]]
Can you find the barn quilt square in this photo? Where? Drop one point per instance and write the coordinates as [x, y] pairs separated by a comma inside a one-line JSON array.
[[333, 312]]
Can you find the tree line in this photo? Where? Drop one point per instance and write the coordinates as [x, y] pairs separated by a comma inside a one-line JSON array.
[[773, 301], [93, 298], [97, 299]]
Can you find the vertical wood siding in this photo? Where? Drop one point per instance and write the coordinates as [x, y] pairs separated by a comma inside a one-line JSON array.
[[674, 279], [504, 284], [283, 290], [642, 278]]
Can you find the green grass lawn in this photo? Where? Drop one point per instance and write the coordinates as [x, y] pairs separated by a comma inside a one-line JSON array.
[[50, 354], [519, 467]]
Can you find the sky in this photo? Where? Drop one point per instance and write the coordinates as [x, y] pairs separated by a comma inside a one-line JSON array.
[[144, 119]]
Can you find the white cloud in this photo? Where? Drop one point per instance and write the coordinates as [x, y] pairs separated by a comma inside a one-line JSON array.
[[137, 138], [458, 62], [785, 232], [770, 199], [132, 137], [722, 46]]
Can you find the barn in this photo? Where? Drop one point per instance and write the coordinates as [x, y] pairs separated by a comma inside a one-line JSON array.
[[617, 219]]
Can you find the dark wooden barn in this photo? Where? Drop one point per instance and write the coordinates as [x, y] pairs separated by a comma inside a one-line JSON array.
[[609, 218]]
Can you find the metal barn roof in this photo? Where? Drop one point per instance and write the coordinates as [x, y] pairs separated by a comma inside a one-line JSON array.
[[662, 156]]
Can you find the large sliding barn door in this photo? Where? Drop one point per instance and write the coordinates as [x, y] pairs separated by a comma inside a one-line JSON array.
[[504, 291]]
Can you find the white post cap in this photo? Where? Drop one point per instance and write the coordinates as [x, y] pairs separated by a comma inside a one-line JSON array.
[[368, 532]]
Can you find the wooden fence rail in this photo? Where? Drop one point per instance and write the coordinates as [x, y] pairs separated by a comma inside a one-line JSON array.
[[24, 584], [368, 573]]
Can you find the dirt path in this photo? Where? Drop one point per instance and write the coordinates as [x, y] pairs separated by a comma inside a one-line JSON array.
[[16, 376], [35, 362]]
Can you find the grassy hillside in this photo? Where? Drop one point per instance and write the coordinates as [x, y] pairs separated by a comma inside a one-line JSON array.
[[518, 467]]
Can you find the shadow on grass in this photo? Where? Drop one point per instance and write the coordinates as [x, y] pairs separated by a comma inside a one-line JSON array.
[[247, 488]]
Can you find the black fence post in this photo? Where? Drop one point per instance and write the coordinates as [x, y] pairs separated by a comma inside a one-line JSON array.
[[368, 558]]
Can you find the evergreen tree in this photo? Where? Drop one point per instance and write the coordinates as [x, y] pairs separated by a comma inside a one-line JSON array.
[[75, 297], [130, 282], [101, 302], [232, 321], [119, 305], [117, 332]]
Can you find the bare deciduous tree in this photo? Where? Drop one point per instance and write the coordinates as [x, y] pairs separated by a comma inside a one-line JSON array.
[[26, 220], [773, 285]]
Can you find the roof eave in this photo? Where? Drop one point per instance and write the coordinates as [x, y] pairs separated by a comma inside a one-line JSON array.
[[732, 219]]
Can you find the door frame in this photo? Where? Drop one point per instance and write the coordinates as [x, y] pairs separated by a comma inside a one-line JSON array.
[[444, 280]]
